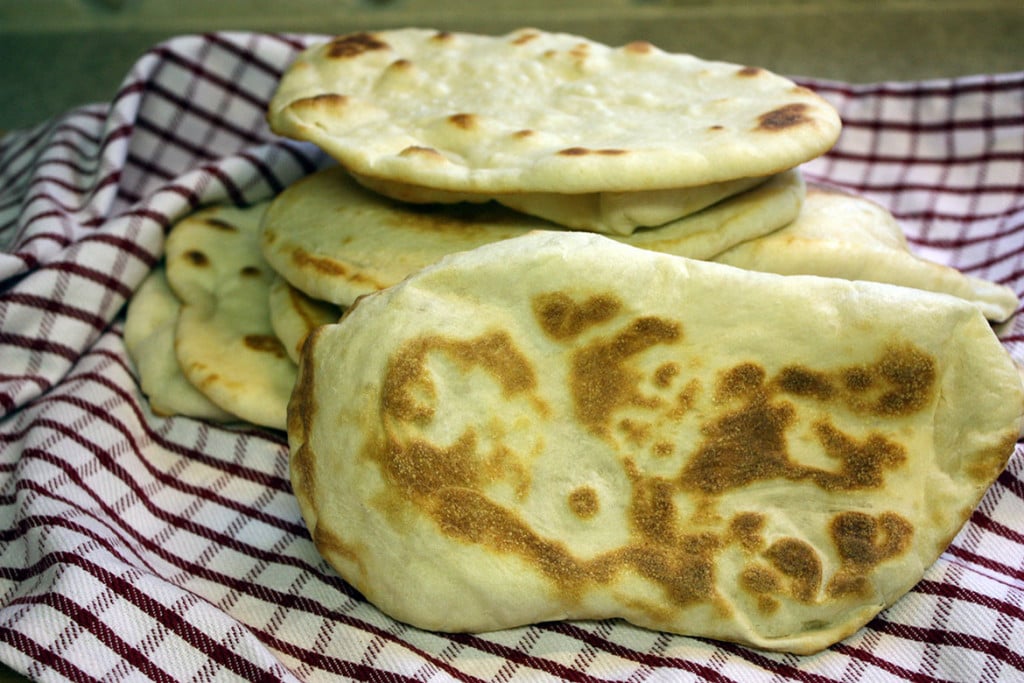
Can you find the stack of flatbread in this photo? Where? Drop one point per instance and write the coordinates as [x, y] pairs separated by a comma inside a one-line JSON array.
[[603, 352], [213, 330]]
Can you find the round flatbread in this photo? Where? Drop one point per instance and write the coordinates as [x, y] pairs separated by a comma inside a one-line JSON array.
[[838, 234], [613, 213], [293, 315], [335, 240], [224, 341], [534, 111], [561, 426], [149, 325]]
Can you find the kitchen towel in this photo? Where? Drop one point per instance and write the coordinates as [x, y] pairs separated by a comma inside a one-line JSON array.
[[138, 547]]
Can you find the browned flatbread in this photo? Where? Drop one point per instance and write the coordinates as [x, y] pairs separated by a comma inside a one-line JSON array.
[[556, 125], [224, 340], [335, 241], [561, 426], [839, 234]]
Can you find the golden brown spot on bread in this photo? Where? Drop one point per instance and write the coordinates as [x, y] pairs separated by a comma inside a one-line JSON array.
[[423, 468], [746, 528], [463, 121], [322, 102], [901, 382], [759, 579], [353, 45], [331, 544], [612, 152], [220, 224], [574, 151], [443, 37], [601, 379], [562, 318], [328, 266], [686, 399], [685, 569], [993, 460], [300, 415], [525, 37], [264, 343], [419, 151], [402, 64], [864, 541], [911, 374], [583, 502], [862, 463], [741, 446], [857, 379], [303, 258], [407, 376], [762, 582], [749, 71], [637, 433], [469, 515], [803, 382], [748, 443], [739, 381], [663, 449], [665, 373], [653, 510], [639, 47], [196, 258], [250, 271], [786, 116], [580, 51], [799, 561], [524, 133]]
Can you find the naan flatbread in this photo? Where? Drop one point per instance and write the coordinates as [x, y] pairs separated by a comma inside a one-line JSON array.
[[843, 235], [336, 241], [150, 320], [547, 113], [224, 341], [293, 315], [561, 426], [613, 213]]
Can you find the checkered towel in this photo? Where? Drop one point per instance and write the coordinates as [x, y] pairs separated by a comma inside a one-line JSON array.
[[138, 547]]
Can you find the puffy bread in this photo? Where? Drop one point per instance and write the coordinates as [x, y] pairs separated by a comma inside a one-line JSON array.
[[224, 340], [614, 213], [334, 240], [150, 319], [534, 111], [838, 234], [561, 426], [293, 315]]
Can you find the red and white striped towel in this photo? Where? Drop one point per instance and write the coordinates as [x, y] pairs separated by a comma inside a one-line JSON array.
[[134, 547]]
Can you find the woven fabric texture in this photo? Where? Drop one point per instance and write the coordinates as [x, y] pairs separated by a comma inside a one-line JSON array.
[[137, 547]]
